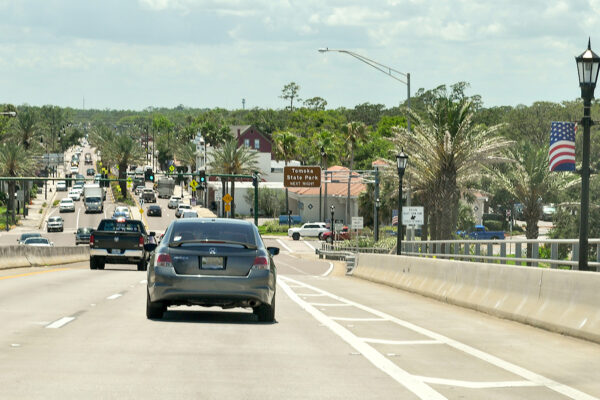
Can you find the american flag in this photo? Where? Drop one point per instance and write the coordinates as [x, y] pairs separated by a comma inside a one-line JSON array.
[[562, 146]]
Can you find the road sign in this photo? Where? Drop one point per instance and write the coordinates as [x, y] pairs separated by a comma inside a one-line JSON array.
[[227, 207], [171, 168], [301, 176], [141, 210], [412, 216], [227, 198], [193, 184], [129, 180], [357, 223], [104, 171], [217, 196], [338, 226]]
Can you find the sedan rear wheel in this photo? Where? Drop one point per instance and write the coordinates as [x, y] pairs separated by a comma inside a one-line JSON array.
[[265, 312], [154, 309]]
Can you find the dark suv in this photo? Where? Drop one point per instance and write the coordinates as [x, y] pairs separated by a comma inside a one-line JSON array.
[[82, 236]]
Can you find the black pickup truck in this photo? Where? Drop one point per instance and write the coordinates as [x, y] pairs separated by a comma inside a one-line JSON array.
[[120, 241]]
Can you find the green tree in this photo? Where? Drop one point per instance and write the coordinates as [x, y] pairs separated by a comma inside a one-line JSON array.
[[447, 153], [285, 149], [233, 160], [355, 133], [290, 92], [26, 127], [316, 103], [15, 161]]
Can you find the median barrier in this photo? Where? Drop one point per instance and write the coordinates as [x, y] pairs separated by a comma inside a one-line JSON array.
[[556, 300], [31, 256]]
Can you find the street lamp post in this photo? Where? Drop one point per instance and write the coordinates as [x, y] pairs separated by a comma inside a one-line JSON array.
[[588, 64], [402, 160], [321, 216], [203, 143], [332, 222], [391, 72], [377, 205]]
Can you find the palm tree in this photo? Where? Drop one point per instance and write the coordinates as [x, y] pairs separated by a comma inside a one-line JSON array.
[[26, 126], [448, 153], [14, 161], [529, 180], [186, 154], [118, 148], [233, 160], [355, 133], [285, 149]]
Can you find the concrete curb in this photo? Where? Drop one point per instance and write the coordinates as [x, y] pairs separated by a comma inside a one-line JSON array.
[[560, 301], [31, 256]]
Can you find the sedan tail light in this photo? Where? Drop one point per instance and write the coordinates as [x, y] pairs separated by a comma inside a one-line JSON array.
[[141, 241], [260, 263], [91, 240], [163, 260]]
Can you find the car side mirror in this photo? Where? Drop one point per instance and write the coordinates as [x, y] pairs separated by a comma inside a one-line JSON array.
[[273, 250], [150, 246]]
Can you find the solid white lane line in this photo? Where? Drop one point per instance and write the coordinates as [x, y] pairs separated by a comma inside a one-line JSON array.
[[399, 342], [496, 361], [476, 385], [114, 296], [144, 281], [419, 388], [77, 222], [284, 245], [329, 270], [358, 319], [310, 295], [330, 304], [60, 322], [310, 246]]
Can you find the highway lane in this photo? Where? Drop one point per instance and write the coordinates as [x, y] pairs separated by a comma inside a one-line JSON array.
[[335, 337]]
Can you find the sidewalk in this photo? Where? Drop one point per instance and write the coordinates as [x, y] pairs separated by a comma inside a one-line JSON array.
[[36, 214]]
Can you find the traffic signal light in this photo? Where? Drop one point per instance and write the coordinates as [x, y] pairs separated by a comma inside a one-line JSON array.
[[254, 180], [151, 178], [202, 177]]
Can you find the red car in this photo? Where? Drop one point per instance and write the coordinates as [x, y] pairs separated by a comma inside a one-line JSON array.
[[344, 234]]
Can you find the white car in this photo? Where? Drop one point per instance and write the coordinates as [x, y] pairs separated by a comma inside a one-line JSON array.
[[174, 202], [66, 204], [123, 210], [189, 214], [74, 170], [55, 224], [38, 241], [181, 208], [75, 194], [308, 229], [61, 186]]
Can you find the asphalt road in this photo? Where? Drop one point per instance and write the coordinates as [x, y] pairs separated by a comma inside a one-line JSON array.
[[71, 332]]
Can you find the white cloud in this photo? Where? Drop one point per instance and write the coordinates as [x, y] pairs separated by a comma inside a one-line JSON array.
[[355, 16]]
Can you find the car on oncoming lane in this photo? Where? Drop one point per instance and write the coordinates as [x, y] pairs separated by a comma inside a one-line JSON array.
[[308, 229], [55, 224], [38, 241], [61, 186], [212, 262], [27, 235]]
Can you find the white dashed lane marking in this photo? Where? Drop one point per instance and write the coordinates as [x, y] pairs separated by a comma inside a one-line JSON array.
[[60, 322], [114, 296]]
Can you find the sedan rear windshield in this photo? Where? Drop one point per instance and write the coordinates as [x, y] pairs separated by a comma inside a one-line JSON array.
[[201, 231]]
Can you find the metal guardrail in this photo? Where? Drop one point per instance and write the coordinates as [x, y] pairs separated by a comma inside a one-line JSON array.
[[543, 251]]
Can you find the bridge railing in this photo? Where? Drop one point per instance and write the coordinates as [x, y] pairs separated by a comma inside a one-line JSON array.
[[552, 253]]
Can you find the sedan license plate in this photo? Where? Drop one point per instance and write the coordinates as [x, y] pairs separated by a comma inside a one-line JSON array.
[[115, 251], [212, 262]]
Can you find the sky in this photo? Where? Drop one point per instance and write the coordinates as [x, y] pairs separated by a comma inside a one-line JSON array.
[[135, 54]]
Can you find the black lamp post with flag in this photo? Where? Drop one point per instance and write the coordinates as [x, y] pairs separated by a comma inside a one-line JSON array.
[[588, 64]]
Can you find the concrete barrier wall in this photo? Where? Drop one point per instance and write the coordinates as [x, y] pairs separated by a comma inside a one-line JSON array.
[[562, 301], [31, 256]]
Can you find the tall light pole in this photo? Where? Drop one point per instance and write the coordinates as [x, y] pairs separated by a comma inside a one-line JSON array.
[[588, 64], [203, 143], [332, 222], [391, 72], [402, 160], [321, 216]]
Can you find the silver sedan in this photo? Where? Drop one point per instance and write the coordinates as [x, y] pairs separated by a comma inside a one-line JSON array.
[[212, 262]]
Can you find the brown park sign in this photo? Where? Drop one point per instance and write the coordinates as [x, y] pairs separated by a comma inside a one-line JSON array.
[[304, 176]]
